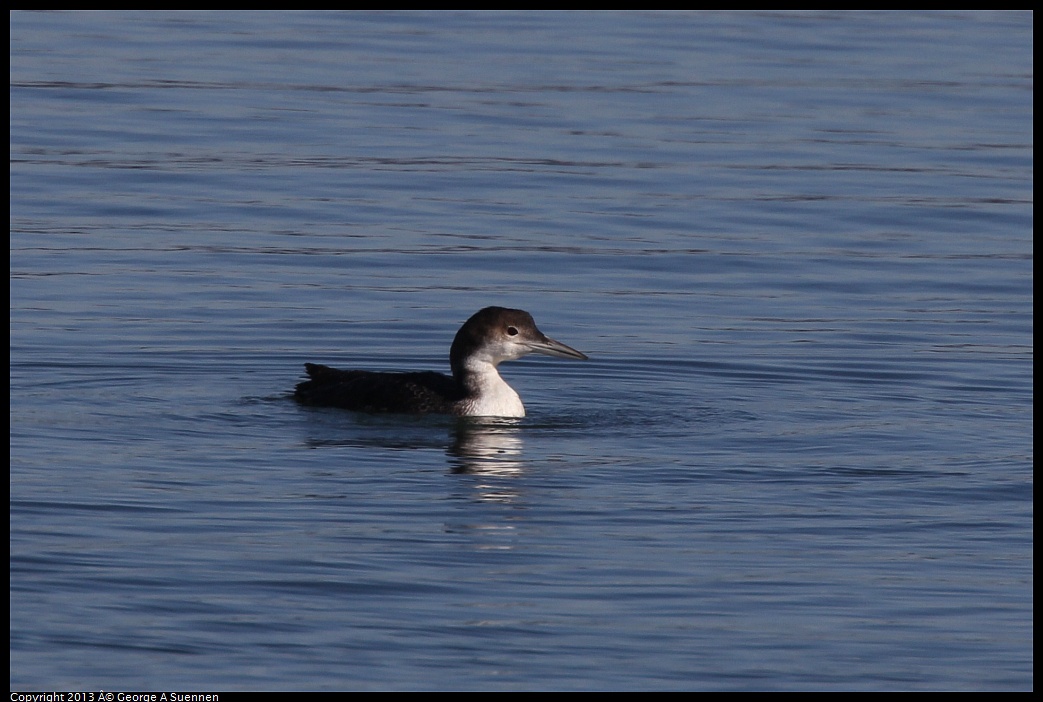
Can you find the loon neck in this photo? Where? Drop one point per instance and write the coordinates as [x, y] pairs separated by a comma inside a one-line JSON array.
[[487, 394]]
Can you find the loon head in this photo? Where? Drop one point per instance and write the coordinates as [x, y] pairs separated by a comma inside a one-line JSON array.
[[496, 334]]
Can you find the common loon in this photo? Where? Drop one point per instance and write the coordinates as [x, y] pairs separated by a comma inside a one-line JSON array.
[[490, 336]]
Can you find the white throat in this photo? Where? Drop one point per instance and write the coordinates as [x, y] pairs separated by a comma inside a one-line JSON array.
[[493, 396]]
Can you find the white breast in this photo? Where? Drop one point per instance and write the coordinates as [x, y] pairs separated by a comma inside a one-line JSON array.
[[494, 398]]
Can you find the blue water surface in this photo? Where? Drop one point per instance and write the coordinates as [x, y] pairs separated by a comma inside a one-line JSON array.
[[796, 246]]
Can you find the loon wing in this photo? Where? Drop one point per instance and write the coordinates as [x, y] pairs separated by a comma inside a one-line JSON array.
[[368, 391]]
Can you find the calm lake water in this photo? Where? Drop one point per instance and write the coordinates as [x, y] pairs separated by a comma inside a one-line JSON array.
[[796, 246]]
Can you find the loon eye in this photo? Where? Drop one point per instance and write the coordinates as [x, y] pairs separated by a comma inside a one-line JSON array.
[[511, 331]]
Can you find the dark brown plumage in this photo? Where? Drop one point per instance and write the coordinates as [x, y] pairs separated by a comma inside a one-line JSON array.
[[367, 391]]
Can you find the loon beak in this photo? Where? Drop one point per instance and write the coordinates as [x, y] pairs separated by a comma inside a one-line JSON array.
[[550, 347]]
